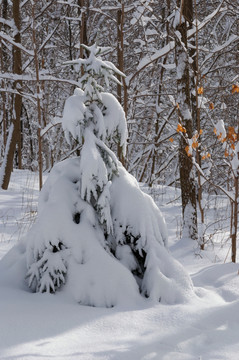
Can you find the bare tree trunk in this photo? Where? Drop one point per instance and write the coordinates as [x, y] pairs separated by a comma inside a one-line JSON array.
[[157, 123], [15, 134], [83, 29], [187, 176], [235, 220], [193, 52], [38, 86], [17, 69], [3, 56], [120, 55], [234, 207]]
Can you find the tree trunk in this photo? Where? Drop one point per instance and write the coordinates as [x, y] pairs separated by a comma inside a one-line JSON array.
[[83, 28], [195, 83], [120, 55], [158, 100], [38, 90], [15, 134], [17, 69], [187, 176], [4, 61], [235, 220]]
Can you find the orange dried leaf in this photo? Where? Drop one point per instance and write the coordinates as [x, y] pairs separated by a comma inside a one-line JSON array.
[[226, 153], [187, 149], [200, 132], [233, 146], [231, 130], [180, 128], [206, 156], [200, 90], [211, 106], [195, 145], [171, 140], [235, 88], [232, 136], [215, 131]]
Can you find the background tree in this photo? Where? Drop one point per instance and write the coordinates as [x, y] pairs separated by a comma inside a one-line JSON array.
[[183, 17], [14, 133]]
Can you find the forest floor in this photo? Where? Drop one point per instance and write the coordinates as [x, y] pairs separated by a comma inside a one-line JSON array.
[[41, 326]]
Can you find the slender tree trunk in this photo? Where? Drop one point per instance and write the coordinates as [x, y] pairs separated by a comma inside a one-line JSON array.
[[83, 28], [236, 186], [17, 69], [38, 91], [15, 135], [195, 81], [3, 55], [234, 214], [235, 220], [83, 24], [120, 55], [156, 129], [187, 176], [164, 14]]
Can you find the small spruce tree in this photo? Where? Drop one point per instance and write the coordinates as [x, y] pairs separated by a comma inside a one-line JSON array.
[[98, 236]]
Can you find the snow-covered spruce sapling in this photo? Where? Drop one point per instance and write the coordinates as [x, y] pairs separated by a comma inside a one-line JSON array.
[[97, 232]]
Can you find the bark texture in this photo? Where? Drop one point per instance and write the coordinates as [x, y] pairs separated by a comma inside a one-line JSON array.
[[184, 84], [17, 99]]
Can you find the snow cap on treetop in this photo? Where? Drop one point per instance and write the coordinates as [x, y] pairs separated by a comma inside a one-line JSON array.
[[91, 108]]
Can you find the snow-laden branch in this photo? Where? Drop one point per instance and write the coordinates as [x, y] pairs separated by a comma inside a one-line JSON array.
[[54, 122], [166, 163], [42, 45], [30, 97], [14, 43], [49, 37], [207, 19], [146, 61], [171, 45], [30, 77], [219, 48], [8, 23], [227, 193]]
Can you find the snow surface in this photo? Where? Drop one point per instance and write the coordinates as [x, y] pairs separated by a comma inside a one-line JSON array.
[[48, 326]]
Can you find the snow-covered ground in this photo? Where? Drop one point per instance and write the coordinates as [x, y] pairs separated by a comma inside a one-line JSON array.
[[46, 326]]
